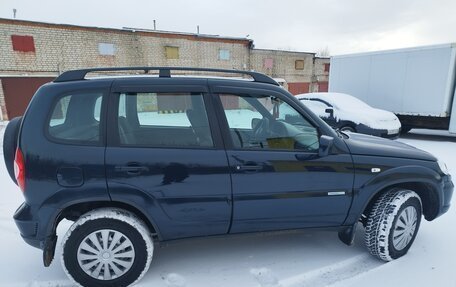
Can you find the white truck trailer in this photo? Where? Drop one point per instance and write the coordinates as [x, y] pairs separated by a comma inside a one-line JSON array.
[[417, 84]]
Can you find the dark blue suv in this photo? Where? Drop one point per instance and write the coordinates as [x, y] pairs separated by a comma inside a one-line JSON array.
[[137, 159]]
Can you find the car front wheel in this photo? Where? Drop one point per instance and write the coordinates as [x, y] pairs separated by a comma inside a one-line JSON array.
[[107, 247], [393, 223]]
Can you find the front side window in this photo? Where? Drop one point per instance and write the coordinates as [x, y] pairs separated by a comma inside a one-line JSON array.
[[163, 120], [76, 119], [267, 122]]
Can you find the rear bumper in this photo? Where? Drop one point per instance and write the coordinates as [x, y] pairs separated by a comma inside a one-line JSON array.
[[32, 230]]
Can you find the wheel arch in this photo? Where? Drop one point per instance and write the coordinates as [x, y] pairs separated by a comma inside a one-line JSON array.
[[74, 211], [347, 123], [427, 193]]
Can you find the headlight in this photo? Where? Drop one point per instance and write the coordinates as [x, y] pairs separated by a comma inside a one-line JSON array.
[[443, 167]]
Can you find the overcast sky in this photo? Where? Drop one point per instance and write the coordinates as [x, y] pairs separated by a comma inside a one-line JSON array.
[[343, 26]]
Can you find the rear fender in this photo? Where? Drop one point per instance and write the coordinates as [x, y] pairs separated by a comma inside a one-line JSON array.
[[50, 209]]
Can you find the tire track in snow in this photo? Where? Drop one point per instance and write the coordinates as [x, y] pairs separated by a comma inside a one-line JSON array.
[[333, 274], [50, 283]]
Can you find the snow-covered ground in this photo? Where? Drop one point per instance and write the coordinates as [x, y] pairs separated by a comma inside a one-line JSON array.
[[296, 258]]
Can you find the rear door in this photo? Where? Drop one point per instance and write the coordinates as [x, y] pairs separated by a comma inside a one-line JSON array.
[[165, 157]]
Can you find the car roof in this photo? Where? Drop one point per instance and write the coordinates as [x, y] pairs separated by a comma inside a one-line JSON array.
[[327, 96]]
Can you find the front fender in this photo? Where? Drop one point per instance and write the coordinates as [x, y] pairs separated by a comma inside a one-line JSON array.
[[367, 185]]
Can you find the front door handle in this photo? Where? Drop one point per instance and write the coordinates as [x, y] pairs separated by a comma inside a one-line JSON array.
[[249, 167]]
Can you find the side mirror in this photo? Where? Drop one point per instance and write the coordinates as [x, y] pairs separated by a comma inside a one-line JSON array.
[[330, 111], [326, 142], [255, 122]]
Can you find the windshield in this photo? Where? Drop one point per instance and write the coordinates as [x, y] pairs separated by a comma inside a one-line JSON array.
[[317, 107]]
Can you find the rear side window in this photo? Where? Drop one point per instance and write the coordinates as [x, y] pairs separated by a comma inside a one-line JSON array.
[[163, 120], [76, 119]]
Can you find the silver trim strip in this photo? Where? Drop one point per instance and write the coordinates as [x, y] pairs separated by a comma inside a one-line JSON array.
[[336, 192]]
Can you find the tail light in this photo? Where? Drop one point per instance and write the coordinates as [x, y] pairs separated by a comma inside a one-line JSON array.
[[19, 169]]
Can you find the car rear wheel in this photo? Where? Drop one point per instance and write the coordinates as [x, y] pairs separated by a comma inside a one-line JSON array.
[[107, 247], [393, 223]]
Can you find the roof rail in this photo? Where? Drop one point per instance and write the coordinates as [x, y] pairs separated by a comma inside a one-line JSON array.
[[163, 72]]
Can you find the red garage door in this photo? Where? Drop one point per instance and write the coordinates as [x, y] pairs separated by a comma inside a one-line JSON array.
[[323, 86], [298, 88], [18, 93]]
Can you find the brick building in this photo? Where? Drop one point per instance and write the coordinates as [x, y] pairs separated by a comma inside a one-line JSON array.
[[33, 53]]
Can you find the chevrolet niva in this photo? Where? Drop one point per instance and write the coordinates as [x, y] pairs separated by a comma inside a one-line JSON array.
[[138, 159]]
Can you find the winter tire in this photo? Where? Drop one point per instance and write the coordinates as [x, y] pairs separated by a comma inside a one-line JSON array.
[[393, 223], [107, 247]]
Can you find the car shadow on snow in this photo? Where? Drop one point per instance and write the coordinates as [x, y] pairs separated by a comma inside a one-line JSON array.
[[290, 258]]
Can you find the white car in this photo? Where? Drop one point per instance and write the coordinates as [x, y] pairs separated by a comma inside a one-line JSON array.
[[347, 113]]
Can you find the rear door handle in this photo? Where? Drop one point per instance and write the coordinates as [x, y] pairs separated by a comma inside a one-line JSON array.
[[132, 168]]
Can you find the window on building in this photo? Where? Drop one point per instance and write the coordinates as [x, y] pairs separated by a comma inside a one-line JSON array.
[[299, 65], [76, 119], [268, 63], [23, 43], [172, 52], [224, 54], [106, 49], [327, 67]]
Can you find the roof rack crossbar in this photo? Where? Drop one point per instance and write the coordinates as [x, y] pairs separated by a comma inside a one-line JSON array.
[[164, 72]]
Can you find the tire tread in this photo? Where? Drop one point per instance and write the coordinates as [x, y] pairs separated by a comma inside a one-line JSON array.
[[380, 221]]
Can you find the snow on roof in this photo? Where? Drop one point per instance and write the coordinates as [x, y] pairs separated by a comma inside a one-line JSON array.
[[339, 100]]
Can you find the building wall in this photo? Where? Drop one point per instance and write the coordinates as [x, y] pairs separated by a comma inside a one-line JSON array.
[[322, 66], [3, 115], [64, 47], [58, 48], [283, 64]]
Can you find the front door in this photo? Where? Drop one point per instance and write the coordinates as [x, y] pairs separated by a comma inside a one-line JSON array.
[[164, 159], [279, 180]]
